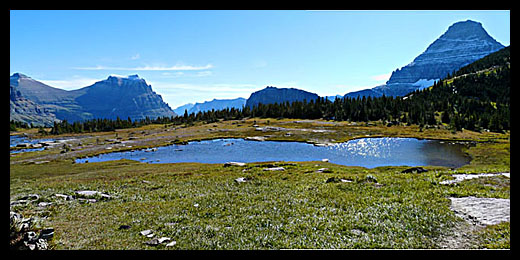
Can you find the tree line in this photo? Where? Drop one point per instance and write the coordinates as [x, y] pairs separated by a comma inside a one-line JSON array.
[[466, 100]]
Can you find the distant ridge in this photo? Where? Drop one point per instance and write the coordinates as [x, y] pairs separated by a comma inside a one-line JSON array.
[[217, 104], [113, 97], [270, 95]]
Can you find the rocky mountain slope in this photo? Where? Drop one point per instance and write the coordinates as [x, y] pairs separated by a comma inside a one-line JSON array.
[[270, 95], [111, 98], [25, 110], [122, 97], [463, 43]]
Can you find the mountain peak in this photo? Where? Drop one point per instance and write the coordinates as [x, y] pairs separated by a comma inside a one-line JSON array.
[[465, 30], [18, 75], [463, 43], [129, 77]]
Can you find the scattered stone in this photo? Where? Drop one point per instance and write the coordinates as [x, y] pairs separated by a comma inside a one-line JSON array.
[[87, 200], [461, 177], [92, 193], [30, 197], [227, 164], [47, 233], [241, 179], [325, 160], [30, 246], [87, 193], [336, 180], [146, 232], [414, 169], [163, 239], [46, 143], [196, 205], [171, 244], [44, 204], [19, 202], [41, 244], [274, 169], [482, 211], [326, 170], [153, 242], [63, 196], [14, 217], [30, 237]]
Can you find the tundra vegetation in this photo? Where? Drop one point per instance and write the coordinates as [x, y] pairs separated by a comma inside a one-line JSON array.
[[217, 206]]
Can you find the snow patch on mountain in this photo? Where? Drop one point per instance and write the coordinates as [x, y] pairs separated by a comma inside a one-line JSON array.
[[424, 83]]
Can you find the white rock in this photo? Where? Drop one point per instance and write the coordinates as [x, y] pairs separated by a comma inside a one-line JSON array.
[[171, 243], [274, 169]]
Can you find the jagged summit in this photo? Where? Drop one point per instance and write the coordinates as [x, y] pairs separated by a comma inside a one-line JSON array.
[[465, 30], [130, 77], [19, 75], [463, 43]]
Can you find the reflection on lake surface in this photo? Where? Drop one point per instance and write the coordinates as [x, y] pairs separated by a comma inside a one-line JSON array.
[[365, 152]]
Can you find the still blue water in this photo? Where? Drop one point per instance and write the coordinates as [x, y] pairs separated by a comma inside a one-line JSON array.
[[365, 152]]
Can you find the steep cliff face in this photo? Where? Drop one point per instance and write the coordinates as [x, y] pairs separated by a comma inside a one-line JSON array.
[[56, 101], [124, 97], [270, 95], [25, 110], [463, 43], [111, 98]]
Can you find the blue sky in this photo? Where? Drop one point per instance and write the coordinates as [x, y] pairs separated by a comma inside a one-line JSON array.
[[195, 56]]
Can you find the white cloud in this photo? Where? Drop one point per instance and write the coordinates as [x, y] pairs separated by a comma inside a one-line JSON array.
[[148, 68], [135, 57]]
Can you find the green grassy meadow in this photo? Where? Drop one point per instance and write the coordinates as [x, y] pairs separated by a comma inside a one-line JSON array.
[[201, 206]]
